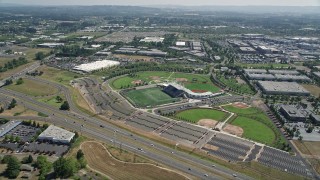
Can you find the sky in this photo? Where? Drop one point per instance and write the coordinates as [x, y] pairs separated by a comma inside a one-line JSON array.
[[170, 2]]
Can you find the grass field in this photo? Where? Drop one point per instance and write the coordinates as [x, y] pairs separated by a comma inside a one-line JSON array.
[[255, 130], [51, 101], [149, 97], [191, 81], [99, 159], [194, 115], [256, 125], [235, 86], [313, 89], [33, 88]]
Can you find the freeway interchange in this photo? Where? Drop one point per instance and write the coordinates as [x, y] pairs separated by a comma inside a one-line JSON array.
[[108, 132]]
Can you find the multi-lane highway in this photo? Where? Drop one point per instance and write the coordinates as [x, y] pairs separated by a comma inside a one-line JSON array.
[[108, 132]]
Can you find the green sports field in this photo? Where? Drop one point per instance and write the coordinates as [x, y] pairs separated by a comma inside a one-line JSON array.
[[255, 130], [149, 97], [195, 82], [256, 125], [194, 115]]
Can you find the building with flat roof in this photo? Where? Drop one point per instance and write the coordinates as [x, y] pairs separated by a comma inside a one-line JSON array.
[[181, 43], [255, 71], [294, 113], [56, 135], [289, 72], [263, 77], [152, 53], [152, 39], [315, 119], [97, 65], [282, 88], [50, 45], [317, 74], [301, 78], [247, 50], [5, 128]]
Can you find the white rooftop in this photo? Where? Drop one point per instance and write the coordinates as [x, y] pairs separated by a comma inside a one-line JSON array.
[[89, 67], [56, 134], [179, 43]]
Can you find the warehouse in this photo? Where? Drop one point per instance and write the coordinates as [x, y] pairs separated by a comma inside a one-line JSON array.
[[284, 72], [315, 119], [302, 78], [282, 88], [152, 53], [255, 71], [97, 65], [293, 113], [50, 45], [152, 39], [247, 50], [260, 76], [56, 135], [317, 74]]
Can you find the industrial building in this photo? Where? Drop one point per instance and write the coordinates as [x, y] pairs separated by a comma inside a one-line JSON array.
[[247, 50], [152, 39], [255, 71], [282, 88], [301, 78], [5, 128], [315, 119], [263, 77], [50, 45], [317, 74], [294, 113], [97, 65], [56, 135], [152, 53], [284, 72]]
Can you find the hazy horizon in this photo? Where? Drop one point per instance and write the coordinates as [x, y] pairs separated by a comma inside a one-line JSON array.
[[170, 2]]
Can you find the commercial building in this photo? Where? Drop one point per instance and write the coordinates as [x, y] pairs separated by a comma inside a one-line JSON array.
[[282, 88], [301, 78], [97, 65], [255, 71], [152, 39], [315, 119], [152, 53], [56, 135], [263, 77], [317, 74], [180, 43], [5, 128], [294, 113], [50, 45], [247, 50], [284, 72]]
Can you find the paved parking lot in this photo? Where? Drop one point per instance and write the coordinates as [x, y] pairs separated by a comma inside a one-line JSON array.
[[229, 148], [25, 133], [48, 148], [283, 161]]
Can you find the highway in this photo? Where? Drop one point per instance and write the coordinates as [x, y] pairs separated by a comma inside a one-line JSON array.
[[110, 133]]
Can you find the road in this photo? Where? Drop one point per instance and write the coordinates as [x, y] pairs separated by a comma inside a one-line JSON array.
[[91, 127]]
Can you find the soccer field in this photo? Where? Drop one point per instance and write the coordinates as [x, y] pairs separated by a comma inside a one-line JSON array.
[[149, 97], [194, 115]]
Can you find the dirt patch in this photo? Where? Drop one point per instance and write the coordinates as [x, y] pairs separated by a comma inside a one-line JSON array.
[[211, 147], [240, 81], [240, 105], [99, 159], [181, 79], [155, 77], [235, 130], [198, 91], [209, 123], [137, 82]]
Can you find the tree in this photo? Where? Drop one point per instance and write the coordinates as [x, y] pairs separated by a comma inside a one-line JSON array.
[[17, 139], [12, 104], [44, 165], [13, 168], [19, 81], [1, 110], [80, 154], [59, 99], [65, 106], [65, 168], [27, 160], [40, 55], [300, 138]]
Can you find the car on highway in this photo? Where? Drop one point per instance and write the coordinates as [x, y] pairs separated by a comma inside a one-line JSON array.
[[206, 175], [102, 126], [234, 175]]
